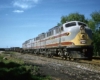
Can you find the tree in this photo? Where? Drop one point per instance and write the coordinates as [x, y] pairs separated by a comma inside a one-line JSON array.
[[96, 37], [73, 17], [58, 24], [91, 24], [96, 17], [63, 19], [96, 42], [77, 17]]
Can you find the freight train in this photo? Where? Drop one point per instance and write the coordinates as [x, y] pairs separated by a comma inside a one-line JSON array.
[[72, 40]]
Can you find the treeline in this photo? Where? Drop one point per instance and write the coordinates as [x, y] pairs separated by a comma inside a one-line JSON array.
[[93, 23]]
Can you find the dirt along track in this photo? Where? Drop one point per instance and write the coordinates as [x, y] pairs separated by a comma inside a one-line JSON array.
[[62, 70], [94, 61]]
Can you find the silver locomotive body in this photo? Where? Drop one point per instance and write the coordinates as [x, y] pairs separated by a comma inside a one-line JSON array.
[[71, 40]]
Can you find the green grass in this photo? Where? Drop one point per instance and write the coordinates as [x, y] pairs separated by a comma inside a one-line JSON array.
[[8, 52], [15, 69]]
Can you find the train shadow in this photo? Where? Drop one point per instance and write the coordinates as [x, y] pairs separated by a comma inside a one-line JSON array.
[[96, 58]]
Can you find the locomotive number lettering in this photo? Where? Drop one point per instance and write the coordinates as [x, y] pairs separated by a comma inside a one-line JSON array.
[[83, 41]]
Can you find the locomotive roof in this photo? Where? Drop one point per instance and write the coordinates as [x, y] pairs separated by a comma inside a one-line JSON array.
[[50, 30], [62, 24], [55, 27]]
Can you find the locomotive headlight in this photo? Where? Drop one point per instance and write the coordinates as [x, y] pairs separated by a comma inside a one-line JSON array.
[[82, 29], [83, 36]]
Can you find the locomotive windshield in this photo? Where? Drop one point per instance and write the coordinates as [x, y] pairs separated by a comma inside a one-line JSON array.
[[79, 23], [70, 24]]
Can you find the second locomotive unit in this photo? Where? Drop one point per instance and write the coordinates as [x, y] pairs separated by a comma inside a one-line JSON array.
[[72, 39]]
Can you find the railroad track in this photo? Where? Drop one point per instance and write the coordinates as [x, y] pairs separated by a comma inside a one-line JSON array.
[[96, 58], [94, 61]]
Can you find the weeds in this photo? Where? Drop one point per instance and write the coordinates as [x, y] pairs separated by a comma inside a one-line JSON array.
[[15, 69]]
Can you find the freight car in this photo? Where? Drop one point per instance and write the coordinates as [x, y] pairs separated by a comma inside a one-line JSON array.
[[16, 49], [72, 40]]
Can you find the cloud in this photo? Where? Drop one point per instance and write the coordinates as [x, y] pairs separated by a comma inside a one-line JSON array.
[[18, 11], [25, 4], [21, 5]]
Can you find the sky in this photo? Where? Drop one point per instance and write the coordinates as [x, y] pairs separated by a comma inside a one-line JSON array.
[[21, 20]]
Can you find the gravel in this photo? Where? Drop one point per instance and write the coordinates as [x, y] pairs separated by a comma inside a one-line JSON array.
[[1, 52], [62, 70]]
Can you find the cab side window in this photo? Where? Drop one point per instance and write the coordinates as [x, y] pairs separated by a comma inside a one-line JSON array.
[[57, 30], [79, 23], [62, 29]]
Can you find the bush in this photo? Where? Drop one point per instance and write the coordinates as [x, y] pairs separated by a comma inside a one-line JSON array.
[[16, 71]]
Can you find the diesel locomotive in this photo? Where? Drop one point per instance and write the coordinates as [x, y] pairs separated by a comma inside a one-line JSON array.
[[72, 40]]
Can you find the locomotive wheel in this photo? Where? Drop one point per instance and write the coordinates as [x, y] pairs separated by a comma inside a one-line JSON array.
[[51, 55], [71, 56], [60, 53], [48, 54]]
